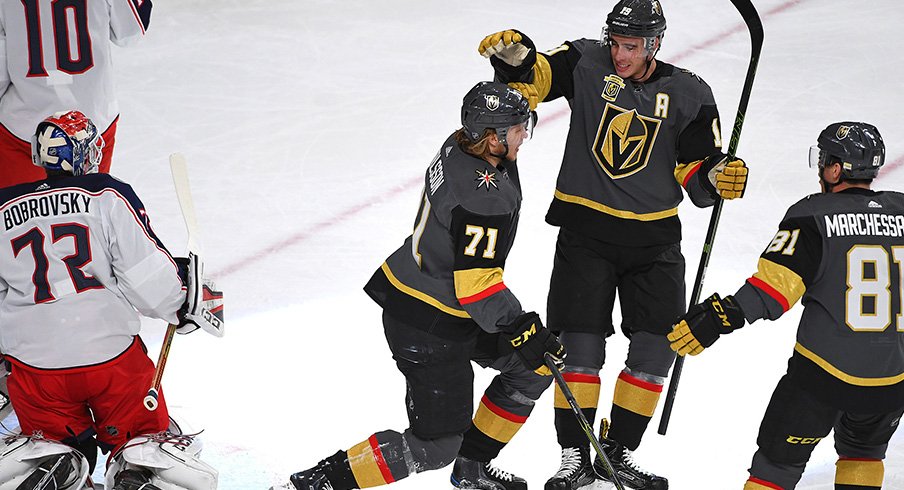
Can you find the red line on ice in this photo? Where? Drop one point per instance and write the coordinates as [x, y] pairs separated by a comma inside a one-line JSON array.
[[353, 211]]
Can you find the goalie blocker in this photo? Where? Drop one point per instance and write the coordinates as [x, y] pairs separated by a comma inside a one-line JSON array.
[[203, 307]]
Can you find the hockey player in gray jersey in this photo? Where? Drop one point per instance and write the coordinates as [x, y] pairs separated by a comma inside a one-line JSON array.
[[841, 253], [641, 130], [445, 304]]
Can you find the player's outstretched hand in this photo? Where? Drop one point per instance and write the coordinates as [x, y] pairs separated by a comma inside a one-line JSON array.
[[510, 46], [531, 341], [703, 323], [727, 176]]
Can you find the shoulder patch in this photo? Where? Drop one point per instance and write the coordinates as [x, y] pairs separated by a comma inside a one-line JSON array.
[[486, 179]]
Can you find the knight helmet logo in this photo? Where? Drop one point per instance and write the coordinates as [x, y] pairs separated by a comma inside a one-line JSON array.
[[492, 102], [624, 141], [842, 132], [657, 9]]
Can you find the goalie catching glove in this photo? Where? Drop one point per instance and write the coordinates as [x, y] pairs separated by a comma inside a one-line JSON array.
[[531, 341], [203, 307], [726, 177], [703, 323]]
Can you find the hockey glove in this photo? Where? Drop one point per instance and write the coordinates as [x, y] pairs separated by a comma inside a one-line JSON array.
[[507, 45], [728, 178], [203, 307], [531, 341], [529, 91], [512, 55], [703, 323]]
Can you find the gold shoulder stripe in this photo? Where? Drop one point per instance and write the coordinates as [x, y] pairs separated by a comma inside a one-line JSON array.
[[618, 213], [782, 279], [414, 293], [551, 52], [847, 378], [542, 76]]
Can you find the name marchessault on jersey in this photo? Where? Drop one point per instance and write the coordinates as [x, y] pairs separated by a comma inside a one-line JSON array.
[[56, 204], [863, 224]]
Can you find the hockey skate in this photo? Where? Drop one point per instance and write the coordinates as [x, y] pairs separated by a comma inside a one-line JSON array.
[[332, 473], [477, 475], [574, 472], [56, 471], [133, 480], [629, 473]]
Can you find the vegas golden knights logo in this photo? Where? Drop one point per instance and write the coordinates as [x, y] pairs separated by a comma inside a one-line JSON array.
[[614, 84], [624, 141], [842, 132]]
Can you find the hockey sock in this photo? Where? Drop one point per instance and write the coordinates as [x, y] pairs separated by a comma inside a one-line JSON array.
[[633, 405], [497, 420], [586, 391], [858, 474]]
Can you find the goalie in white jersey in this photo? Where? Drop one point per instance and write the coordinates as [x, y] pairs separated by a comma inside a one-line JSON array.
[[78, 263], [55, 56]]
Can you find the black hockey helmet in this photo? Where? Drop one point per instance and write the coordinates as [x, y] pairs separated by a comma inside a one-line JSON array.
[[858, 146], [636, 18], [494, 105]]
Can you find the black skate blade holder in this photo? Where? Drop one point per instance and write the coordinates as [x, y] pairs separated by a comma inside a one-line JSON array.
[[582, 420]]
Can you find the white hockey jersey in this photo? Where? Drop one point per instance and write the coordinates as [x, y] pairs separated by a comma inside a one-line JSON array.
[[78, 257], [56, 55]]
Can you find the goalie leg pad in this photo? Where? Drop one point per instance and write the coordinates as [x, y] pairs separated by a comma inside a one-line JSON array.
[[35, 463], [172, 460]]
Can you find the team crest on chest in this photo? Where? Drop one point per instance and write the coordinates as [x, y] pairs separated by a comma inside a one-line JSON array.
[[624, 141], [614, 84], [486, 179]]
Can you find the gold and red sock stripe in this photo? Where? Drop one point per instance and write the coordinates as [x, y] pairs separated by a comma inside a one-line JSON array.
[[368, 464], [757, 484], [584, 387], [636, 395], [496, 422], [859, 472]]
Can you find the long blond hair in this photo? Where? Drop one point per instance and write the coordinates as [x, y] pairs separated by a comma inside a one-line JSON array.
[[480, 148]]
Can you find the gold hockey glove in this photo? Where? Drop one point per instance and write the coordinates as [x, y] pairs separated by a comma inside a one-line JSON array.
[[531, 341], [727, 177], [529, 91], [506, 45], [703, 323]]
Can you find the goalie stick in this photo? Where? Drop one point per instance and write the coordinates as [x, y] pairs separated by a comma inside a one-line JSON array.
[[755, 27], [582, 420], [179, 169]]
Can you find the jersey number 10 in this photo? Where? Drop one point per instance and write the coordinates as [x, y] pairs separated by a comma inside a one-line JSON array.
[[61, 11]]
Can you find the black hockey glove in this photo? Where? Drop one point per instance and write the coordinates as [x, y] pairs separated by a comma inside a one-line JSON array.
[[531, 341], [726, 178], [703, 323]]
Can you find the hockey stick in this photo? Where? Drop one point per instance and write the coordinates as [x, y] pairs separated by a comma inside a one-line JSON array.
[[755, 26], [179, 169], [582, 420]]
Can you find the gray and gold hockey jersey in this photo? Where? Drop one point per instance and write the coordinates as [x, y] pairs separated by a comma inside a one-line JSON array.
[[631, 146], [842, 255], [447, 276]]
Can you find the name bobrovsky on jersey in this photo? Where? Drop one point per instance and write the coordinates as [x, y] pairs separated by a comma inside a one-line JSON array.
[[42, 206], [861, 224]]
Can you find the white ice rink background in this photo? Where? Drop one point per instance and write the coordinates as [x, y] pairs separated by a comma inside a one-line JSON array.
[[307, 126]]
